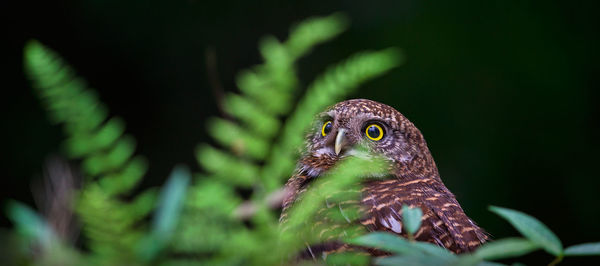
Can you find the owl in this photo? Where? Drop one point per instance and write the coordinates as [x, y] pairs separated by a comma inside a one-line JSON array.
[[414, 179]]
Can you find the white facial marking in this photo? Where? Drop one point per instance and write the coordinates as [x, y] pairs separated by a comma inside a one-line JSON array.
[[321, 151]]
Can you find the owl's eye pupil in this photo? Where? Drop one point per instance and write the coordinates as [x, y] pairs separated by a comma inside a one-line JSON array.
[[326, 128], [374, 132]]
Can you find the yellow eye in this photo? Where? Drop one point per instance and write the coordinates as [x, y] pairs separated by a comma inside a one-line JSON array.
[[326, 128], [374, 132]]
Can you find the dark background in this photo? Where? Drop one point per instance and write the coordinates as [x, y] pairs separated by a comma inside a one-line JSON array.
[[505, 92]]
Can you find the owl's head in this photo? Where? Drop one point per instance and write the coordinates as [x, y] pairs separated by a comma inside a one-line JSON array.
[[380, 128]]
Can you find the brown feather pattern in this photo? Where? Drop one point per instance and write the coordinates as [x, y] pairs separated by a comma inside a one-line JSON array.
[[414, 181]]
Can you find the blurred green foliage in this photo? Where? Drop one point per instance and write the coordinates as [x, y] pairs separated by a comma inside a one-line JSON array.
[[262, 158], [209, 221], [201, 220], [537, 236]]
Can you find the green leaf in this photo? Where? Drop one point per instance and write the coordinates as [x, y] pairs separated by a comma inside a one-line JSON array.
[[167, 214], [313, 31], [505, 248], [125, 179], [84, 144], [396, 244], [531, 228], [114, 158], [29, 223], [587, 249], [238, 139], [471, 260], [491, 263], [433, 249], [254, 84], [171, 201], [144, 203], [252, 115], [347, 258], [411, 218], [414, 260], [227, 166]]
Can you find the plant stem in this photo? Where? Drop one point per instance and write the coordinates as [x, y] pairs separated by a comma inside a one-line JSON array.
[[557, 260]]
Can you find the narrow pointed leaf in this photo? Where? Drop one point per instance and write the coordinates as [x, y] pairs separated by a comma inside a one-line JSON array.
[[30, 223], [505, 248], [531, 228], [171, 201], [491, 263], [167, 215], [385, 241], [396, 244], [413, 260], [587, 249]]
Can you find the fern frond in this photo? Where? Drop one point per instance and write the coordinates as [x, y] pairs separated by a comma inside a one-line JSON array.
[[101, 145], [254, 157], [230, 168], [227, 216], [111, 225], [314, 31], [257, 152]]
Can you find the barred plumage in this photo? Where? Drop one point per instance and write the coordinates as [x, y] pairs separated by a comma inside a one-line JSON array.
[[414, 181]]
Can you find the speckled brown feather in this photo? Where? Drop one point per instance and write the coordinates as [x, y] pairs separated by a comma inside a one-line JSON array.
[[414, 180]]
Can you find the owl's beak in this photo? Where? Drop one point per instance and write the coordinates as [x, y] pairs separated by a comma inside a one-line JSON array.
[[340, 140]]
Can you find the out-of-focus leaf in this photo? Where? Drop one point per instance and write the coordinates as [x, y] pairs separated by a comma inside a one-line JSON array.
[[126, 178], [531, 228], [238, 139], [230, 168], [470, 260], [209, 194], [171, 201], [144, 203], [167, 214], [491, 263], [396, 244], [252, 115], [587, 249], [347, 258], [505, 248], [314, 31], [413, 260], [411, 218], [113, 159], [255, 85], [433, 249], [80, 145], [29, 223]]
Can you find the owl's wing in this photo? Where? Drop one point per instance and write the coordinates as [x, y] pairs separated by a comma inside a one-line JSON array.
[[443, 223]]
